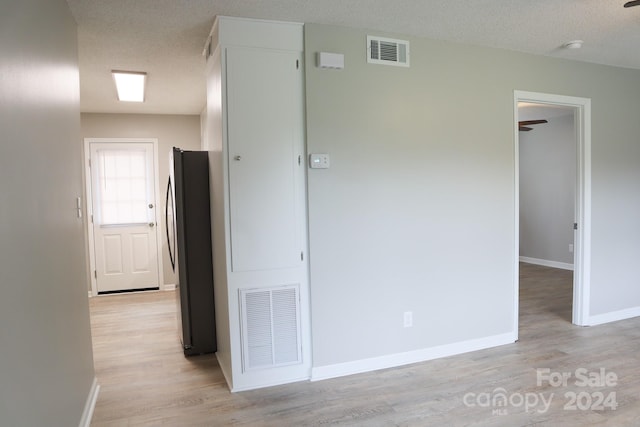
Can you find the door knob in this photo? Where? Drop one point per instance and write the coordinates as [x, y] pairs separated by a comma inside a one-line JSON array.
[[237, 158], [151, 224], [150, 205]]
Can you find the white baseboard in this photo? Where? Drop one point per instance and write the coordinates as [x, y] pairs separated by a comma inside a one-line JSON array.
[[169, 287], [613, 316], [547, 263], [270, 383], [90, 404], [238, 383], [399, 359]]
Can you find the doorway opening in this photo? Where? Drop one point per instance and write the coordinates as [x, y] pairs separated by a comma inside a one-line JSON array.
[[122, 194], [553, 199]]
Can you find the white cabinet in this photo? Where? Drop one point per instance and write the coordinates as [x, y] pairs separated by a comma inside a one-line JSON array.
[[264, 132], [255, 135]]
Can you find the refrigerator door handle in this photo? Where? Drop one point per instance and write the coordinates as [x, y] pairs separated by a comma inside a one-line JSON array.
[[169, 222]]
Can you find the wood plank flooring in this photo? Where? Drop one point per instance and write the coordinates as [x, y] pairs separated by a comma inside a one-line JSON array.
[[146, 381]]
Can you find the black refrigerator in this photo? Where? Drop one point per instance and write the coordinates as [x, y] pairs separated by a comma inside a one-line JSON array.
[[188, 229]]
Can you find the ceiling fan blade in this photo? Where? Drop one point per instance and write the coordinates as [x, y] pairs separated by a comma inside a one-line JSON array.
[[524, 129], [533, 122], [632, 3]]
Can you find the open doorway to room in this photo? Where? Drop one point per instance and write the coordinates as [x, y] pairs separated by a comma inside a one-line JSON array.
[[547, 172], [552, 206]]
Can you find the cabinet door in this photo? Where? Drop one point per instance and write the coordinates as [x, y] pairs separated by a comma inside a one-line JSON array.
[[265, 136]]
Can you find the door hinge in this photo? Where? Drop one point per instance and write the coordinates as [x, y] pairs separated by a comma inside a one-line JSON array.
[[89, 162], [91, 219], [575, 225], [301, 256], [95, 273], [297, 64], [299, 160]]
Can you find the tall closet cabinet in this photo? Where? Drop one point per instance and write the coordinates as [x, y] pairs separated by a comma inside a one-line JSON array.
[[254, 132]]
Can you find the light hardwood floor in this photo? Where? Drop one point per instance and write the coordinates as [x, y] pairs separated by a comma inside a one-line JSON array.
[[146, 381]]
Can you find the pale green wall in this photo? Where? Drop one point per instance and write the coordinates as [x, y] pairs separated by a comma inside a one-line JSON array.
[[417, 210], [547, 189], [181, 131], [46, 362]]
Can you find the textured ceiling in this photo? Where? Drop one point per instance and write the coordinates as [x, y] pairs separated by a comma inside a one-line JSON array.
[[165, 38]]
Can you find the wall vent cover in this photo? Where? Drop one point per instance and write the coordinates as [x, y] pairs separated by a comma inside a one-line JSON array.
[[381, 50], [270, 327]]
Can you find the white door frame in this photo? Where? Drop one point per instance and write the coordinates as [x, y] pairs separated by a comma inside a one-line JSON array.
[[582, 248], [89, 204]]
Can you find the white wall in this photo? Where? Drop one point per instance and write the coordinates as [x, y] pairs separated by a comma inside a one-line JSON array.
[[417, 211], [547, 190], [171, 131], [46, 361]]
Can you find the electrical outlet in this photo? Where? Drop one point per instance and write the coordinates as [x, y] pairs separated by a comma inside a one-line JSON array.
[[408, 319]]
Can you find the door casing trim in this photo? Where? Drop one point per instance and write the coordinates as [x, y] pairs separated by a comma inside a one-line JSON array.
[[89, 206], [582, 247]]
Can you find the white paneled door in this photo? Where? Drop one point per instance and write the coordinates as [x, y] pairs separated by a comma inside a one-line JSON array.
[[265, 171], [124, 216]]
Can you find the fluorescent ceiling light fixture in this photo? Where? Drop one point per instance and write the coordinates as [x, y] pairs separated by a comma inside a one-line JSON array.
[[130, 85]]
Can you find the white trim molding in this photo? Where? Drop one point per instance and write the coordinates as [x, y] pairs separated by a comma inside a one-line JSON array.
[[90, 404], [169, 287], [410, 357], [547, 263], [614, 316]]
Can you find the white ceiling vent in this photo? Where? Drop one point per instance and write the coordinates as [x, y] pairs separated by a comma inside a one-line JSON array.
[[386, 51]]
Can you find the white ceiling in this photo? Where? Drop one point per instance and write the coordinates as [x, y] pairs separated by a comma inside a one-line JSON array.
[[165, 38]]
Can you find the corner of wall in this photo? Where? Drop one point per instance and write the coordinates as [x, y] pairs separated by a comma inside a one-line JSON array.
[[90, 405]]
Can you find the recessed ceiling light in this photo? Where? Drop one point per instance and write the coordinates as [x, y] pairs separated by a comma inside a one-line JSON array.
[[574, 44], [130, 85]]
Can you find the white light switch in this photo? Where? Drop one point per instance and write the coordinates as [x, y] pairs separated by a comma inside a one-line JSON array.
[[319, 161]]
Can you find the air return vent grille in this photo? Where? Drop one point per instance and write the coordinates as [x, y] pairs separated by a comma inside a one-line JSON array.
[[270, 327], [386, 51]]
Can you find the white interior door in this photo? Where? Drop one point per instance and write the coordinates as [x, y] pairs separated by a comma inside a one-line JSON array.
[[124, 216], [263, 89]]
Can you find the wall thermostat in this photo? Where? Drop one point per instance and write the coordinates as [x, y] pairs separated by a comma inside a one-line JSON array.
[[330, 60], [319, 161]]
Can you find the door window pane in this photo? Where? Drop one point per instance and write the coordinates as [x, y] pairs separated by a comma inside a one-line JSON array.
[[122, 187]]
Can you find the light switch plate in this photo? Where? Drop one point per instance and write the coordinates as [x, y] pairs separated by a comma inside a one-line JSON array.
[[319, 161]]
